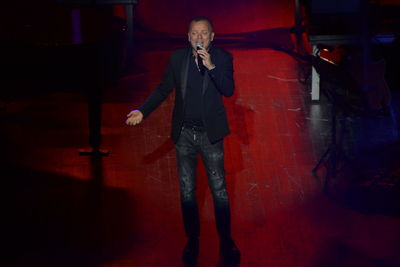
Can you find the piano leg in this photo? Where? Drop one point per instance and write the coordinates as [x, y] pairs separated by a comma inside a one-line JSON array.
[[94, 116], [315, 79]]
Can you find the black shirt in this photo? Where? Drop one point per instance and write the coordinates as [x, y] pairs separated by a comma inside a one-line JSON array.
[[194, 103]]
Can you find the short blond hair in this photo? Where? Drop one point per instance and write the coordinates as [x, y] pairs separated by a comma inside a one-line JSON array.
[[201, 18]]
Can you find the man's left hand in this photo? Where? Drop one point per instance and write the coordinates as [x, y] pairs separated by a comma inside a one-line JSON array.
[[206, 57]]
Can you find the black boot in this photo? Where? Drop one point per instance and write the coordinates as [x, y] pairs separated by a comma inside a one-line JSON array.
[[229, 252], [191, 252]]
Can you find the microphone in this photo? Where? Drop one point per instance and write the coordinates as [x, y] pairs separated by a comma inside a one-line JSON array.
[[199, 60]]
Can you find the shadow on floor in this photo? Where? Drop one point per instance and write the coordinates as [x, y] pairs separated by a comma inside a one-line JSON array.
[[56, 220], [371, 183]]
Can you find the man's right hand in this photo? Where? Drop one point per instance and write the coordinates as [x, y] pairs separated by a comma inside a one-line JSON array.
[[134, 117]]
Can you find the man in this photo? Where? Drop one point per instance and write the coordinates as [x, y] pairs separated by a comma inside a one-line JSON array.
[[201, 74]]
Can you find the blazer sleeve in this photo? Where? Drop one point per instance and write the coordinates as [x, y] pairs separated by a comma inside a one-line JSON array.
[[161, 92], [222, 75]]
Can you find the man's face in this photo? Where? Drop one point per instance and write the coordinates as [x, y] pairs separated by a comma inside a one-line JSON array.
[[200, 32]]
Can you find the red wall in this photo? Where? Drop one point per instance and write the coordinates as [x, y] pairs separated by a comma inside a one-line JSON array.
[[228, 16]]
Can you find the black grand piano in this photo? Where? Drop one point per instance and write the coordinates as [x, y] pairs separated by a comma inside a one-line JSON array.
[[65, 45], [365, 25]]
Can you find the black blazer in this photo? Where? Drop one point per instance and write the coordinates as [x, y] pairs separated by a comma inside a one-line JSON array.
[[217, 82]]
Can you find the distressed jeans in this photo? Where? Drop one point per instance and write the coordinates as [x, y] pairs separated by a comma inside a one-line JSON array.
[[191, 143]]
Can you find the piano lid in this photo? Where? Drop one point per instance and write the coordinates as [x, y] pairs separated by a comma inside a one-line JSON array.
[[50, 23]]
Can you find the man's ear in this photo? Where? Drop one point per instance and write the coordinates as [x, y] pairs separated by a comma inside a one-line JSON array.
[[189, 37], [212, 36]]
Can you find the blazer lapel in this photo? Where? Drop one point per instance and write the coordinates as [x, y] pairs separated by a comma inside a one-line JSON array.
[[184, 72], [205, 83], [206, 79]]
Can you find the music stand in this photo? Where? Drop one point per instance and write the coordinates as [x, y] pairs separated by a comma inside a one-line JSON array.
[[333, 74]]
